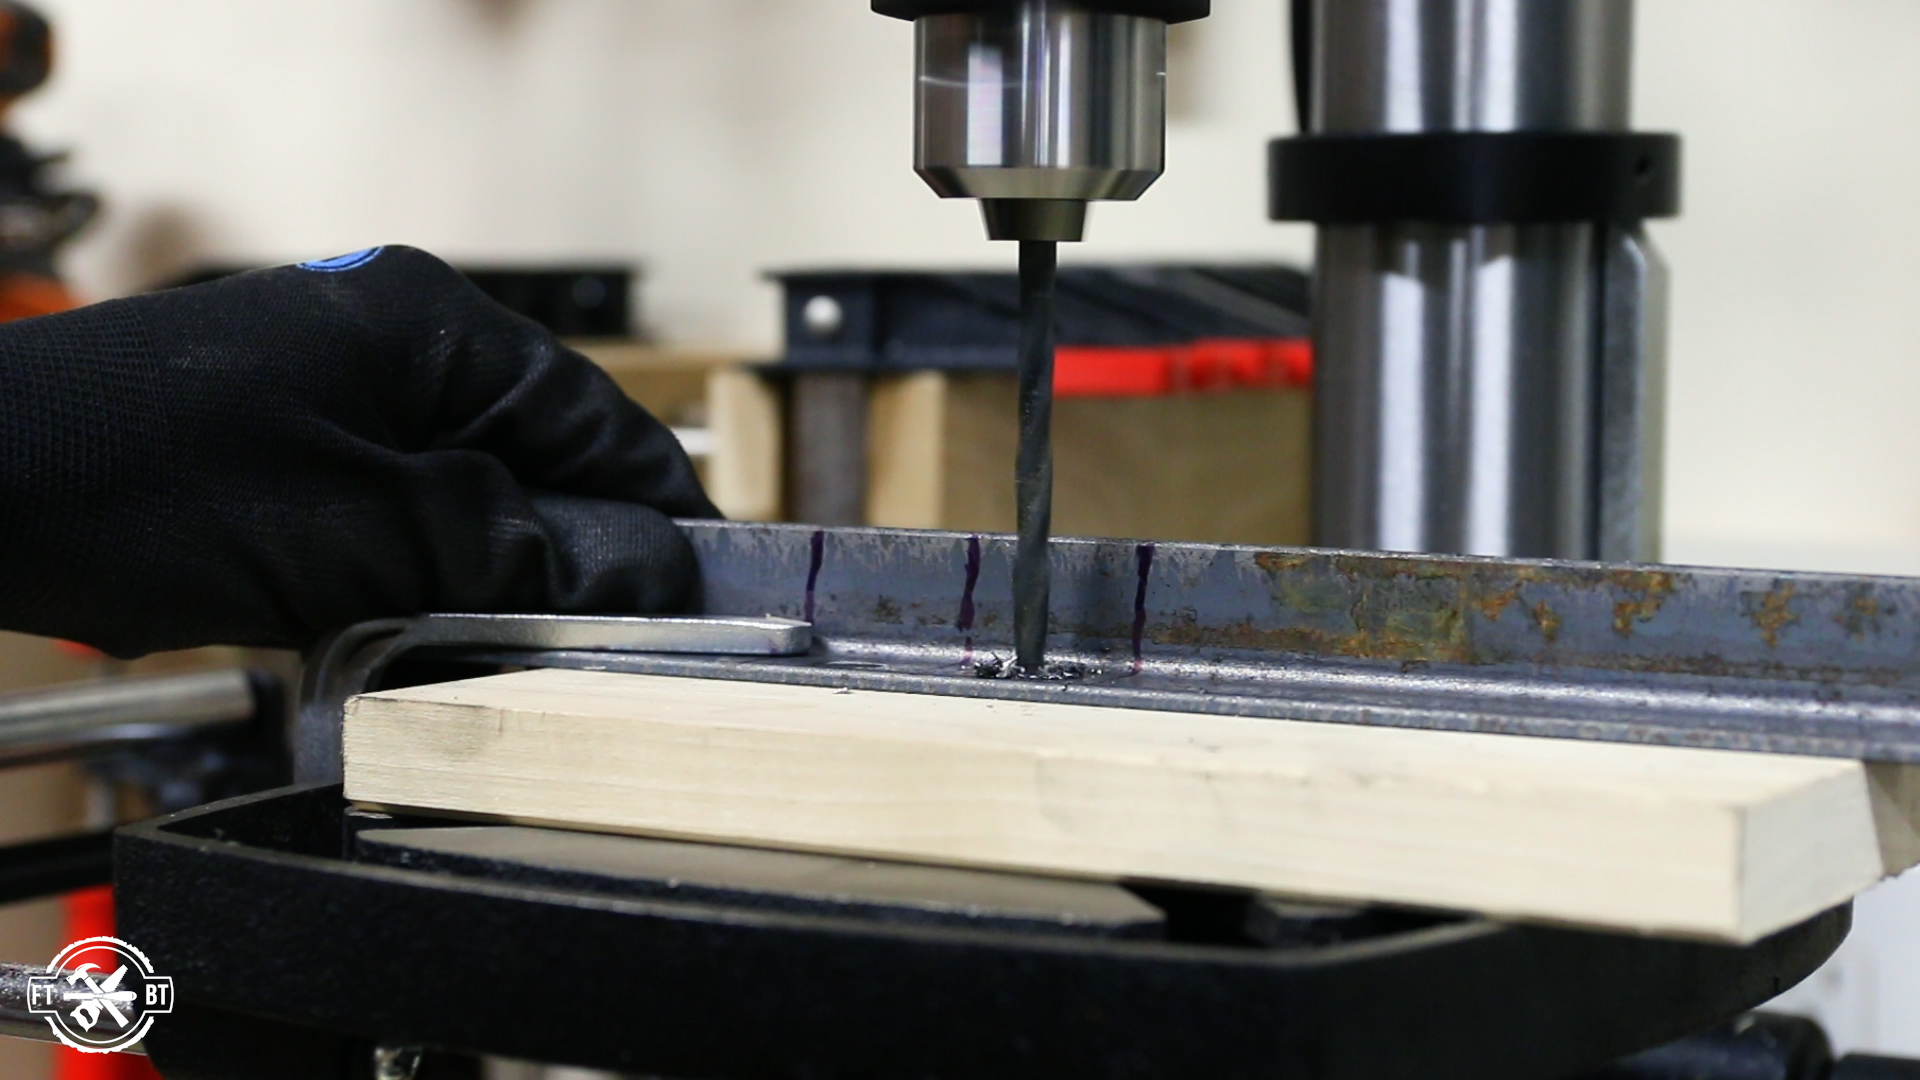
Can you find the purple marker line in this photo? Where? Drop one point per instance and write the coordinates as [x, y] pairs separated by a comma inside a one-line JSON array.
[[1143, 556], [813, 570]]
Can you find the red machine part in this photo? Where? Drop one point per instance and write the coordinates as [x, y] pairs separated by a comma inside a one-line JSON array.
[[1211, 364], [90, 914]]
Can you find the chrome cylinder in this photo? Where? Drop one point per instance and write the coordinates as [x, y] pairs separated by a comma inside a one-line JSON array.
[[96, 717], [1038, 108], [1456, 402]]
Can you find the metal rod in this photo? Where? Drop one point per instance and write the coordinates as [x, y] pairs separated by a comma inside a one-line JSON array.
[[1033, 473], [67, 722], [827, 445], [16, 1021]]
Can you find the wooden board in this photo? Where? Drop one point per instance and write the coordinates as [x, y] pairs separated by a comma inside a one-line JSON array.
[[1703, 843], [1226, 467], [744, 469]]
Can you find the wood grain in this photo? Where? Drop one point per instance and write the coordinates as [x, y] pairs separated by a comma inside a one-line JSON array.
[[1704, 843]]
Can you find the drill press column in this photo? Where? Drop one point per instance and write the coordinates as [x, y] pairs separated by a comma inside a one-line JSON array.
[[1458, 377], [1037, 107]]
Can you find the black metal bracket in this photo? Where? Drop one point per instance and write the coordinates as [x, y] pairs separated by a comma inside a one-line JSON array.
[[1759, 1044], [1475, 177], [51, 867]]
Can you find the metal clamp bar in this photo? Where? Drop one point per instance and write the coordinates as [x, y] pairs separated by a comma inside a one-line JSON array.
[[350, 661]]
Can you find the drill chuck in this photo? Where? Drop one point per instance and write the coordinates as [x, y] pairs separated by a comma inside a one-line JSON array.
[[1038, 107]]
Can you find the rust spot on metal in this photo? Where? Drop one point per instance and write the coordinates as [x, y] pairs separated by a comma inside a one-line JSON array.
[[1548, 620], [1411, 633], [1772, 613], [1377, 567], [1862, 614], [1280, 562], [1647, 591], [1419, 633], [1314, 594], [1493, 604]]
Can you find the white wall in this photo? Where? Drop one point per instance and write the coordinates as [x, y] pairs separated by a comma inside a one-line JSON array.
[[709, 138], [712, 139], [1796, 335], [715, 138]]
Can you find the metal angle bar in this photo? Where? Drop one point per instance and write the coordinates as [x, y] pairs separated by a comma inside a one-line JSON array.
[[1215, 603], [1705, 717], [1800, 662], [1736, 659]]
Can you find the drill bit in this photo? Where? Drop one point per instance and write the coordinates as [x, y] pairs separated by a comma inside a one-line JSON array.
[[1033, 468]]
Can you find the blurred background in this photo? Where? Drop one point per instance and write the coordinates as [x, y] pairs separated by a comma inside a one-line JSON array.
[[708, 141]]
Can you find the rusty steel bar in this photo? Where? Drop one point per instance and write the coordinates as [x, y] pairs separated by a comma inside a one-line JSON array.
[[1737, 659]]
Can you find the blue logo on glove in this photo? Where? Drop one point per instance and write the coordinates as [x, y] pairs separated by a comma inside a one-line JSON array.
[[352, 260]]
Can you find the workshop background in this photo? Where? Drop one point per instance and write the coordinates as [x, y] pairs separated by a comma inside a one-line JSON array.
[[710, 140]]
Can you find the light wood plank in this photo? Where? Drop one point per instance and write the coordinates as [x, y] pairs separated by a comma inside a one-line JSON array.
[[1895, 790], [906, 472], [1654, 839], [743, 473]]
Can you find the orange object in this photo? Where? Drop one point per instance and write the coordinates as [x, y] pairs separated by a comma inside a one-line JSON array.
[[90, 914], [22, 296], [1211, 364]]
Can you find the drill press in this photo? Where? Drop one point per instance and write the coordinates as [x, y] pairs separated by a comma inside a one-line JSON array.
[[247, 899], [1036, 108]]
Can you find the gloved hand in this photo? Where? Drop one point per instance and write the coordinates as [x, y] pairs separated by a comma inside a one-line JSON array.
[[261, 459]]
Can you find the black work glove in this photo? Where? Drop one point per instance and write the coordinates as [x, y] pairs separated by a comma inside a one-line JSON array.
[[264, 458]]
